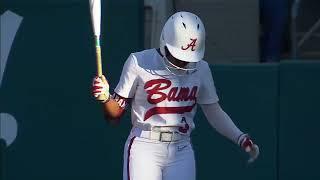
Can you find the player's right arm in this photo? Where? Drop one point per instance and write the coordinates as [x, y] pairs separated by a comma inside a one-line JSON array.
[[112, 108]]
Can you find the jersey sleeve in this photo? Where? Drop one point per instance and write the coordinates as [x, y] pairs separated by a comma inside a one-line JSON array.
[[128, 80], [207, 92]]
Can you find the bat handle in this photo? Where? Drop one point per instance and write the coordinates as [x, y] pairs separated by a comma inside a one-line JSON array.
[[99, 64], [98, 57]]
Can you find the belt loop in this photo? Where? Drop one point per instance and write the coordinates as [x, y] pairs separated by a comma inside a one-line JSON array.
[[160, 136], [173, 135]]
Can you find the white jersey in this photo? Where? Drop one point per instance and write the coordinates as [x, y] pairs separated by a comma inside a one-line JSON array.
[[160, 98]]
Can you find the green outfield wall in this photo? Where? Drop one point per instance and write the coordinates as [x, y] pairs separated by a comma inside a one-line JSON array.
[[46, 88], [249, 94], [299, 122], [63, 135]]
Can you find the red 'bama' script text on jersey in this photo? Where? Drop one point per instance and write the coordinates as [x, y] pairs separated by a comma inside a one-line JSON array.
[[155, 89], [160, 98]]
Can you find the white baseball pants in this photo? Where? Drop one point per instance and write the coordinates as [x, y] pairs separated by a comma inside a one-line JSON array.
[[146, 159]]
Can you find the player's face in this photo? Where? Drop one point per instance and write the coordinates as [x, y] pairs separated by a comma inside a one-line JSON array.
[[174, 60]]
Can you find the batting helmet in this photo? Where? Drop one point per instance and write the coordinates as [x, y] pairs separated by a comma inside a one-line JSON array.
[[184, 36]]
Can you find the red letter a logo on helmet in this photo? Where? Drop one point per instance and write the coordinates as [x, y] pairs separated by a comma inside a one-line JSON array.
[[192, 45]]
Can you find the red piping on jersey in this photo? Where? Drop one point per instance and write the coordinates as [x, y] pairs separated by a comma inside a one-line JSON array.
[[168, 110], [128, 158]]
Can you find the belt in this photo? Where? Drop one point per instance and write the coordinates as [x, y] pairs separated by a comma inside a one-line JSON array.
[[159, 134]]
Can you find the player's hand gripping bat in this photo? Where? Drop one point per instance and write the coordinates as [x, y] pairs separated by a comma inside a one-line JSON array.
[[95, 11]]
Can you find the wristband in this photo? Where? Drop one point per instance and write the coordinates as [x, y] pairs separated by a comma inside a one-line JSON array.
[[106, 100]]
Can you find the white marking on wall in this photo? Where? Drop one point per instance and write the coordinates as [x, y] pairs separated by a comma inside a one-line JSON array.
[[9, 25], [8, 128]]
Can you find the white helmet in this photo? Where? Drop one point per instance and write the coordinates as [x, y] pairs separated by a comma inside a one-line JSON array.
[[184, 36]]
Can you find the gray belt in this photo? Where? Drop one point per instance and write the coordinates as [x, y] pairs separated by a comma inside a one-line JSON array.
[[163, 134]]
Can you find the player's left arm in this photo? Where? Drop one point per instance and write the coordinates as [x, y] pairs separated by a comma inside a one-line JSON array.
[[225, 126]]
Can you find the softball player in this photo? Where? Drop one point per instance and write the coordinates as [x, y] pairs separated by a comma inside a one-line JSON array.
[[164, 86]]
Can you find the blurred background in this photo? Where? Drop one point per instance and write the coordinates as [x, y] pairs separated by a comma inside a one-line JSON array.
[[264, 55]]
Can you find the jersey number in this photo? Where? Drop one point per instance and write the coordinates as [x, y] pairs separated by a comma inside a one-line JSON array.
[[186, 126]]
